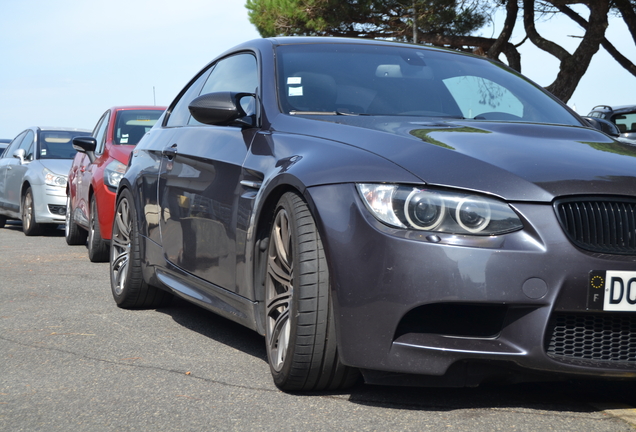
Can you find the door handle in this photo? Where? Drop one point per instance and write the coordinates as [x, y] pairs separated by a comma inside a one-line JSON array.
[[170, 152]]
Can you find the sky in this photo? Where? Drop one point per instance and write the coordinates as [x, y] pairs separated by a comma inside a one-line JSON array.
[[64, 62]]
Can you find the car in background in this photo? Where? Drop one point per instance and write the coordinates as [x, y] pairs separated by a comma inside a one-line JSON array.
[[624, 117], [33, 174], [4, 143], [420, 216], [100, 162]]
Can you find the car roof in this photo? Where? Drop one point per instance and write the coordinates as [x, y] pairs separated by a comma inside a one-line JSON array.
[[616, 109], [138, 107], [57, 129]]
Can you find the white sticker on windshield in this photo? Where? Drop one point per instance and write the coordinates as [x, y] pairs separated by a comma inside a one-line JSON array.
[[294, 80], [295, 91]]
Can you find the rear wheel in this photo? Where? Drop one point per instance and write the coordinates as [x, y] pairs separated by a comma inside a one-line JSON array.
[[3, 221], [301, 339], [97, 248], [29, 226], [128, 286], [74, 234]]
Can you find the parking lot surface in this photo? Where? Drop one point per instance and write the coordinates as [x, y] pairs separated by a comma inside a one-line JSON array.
[[71, 360]]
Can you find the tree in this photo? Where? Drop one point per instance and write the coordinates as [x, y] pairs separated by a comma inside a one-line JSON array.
[[452, 24], [366, 18]]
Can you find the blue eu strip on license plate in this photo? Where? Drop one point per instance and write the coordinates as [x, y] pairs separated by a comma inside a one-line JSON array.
[[612, 291]]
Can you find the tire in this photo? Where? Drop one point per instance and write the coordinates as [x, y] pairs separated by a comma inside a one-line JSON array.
[[72, 232], [300, 334], [3, 221], [97, 248], [29, 226], [128, 286]]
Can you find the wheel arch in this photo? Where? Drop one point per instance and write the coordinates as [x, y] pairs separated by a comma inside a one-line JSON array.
[[25, 186], [266, 209]]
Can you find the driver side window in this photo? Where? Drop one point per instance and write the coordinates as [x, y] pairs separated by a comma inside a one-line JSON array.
[[8, 153], [100, 133], [237, 73], [27, 145]]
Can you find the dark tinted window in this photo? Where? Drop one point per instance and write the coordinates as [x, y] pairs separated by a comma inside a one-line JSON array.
[[58, 144], [381, 80], [131, 125]]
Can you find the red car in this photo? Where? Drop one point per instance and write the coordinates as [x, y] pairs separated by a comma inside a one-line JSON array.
[[97, 168]]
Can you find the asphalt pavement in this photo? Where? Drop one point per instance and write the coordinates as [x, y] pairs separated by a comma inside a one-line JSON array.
[[71, 360]]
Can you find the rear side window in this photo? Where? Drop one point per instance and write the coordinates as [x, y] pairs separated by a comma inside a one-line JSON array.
[[625, 122]]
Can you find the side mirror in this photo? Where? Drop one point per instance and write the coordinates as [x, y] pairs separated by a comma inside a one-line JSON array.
[[222, 109], [86, 144], [604, 126], [20, 154]]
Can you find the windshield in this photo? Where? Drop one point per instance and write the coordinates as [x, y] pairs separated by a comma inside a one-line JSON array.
[[390, 80], [131, 125], [58, 144]]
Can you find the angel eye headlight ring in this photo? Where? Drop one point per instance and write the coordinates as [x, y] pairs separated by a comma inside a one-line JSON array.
[[424, 210], [473, 214]]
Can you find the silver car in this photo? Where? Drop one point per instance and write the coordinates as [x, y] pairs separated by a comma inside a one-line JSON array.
[[33, 173]]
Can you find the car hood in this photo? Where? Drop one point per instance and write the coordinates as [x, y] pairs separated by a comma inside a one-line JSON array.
[[516, 161], [57, 166]]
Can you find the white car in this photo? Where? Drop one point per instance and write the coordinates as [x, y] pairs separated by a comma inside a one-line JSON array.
[[33, 174]]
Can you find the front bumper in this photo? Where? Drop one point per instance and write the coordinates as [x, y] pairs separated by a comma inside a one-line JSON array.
[[409, 302], [50, 203]]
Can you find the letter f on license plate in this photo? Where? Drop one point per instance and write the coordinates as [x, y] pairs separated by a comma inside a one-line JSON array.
[[612, 291]]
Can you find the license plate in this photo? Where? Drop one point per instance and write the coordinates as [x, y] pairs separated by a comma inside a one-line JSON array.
[[612, 291]]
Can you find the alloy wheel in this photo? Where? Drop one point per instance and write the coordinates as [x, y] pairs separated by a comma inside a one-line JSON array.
[[67, 218], [120, 245], [27, 210], [279, 290]]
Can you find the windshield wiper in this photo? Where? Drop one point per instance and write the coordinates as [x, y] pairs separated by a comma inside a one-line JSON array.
[[324, 113]]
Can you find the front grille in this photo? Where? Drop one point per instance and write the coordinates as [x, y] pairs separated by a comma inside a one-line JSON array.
[[602, 340], [604, 225], [57, 209]]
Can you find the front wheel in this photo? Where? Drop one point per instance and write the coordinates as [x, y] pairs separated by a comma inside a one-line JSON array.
[[301, 338], [97, 248], [128, 286], [74, 234], [29, 226]]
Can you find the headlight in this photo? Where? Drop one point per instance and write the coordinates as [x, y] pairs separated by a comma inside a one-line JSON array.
[[429, 209], [52, 179], [113, 173]]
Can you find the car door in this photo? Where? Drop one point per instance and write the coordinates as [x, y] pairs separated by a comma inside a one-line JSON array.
[[16, 170], [7, 162], [199, 180], [86, 167]]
